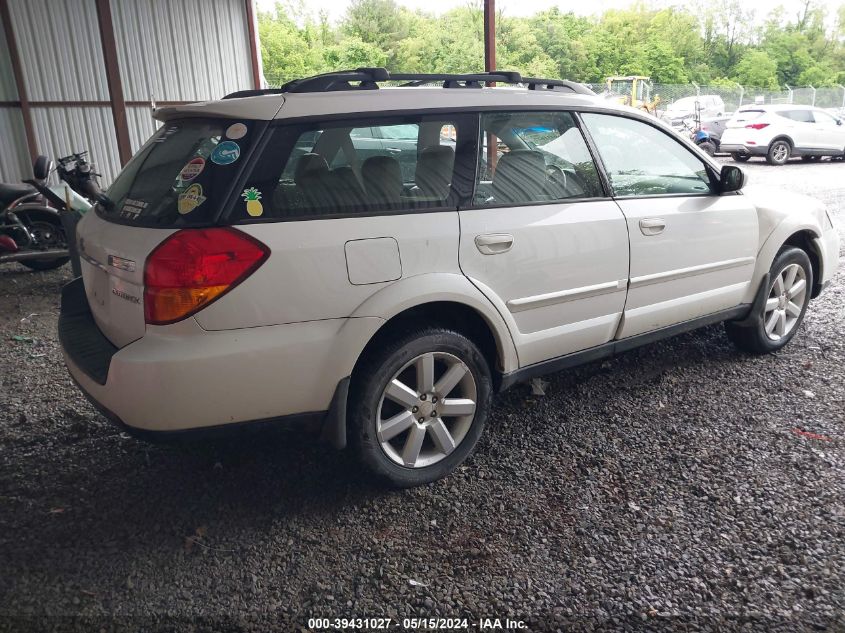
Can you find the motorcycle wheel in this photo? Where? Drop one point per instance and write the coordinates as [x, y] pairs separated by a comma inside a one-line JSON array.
[[708, 147], [48, 230]]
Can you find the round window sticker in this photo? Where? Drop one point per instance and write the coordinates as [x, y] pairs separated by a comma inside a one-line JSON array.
[[192, 169], [236, 131], [226, 153]]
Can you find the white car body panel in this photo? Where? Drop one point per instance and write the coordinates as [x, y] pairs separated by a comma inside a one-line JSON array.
[[307, 277], [701, 263], [115, 293], [563, 280], [281, 341], [206, 379]]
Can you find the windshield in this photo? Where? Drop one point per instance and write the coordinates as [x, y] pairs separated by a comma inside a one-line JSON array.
[[181, 176], [683, 105]]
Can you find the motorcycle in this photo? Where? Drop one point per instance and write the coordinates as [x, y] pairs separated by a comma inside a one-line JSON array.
[[36, 218]]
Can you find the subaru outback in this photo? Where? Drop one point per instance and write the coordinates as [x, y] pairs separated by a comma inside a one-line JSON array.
[[258, 263]]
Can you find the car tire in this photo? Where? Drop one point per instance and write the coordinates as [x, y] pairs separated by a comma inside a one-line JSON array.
[[45, 264], [708, 147], [779, 152], [740, 158], [782, 312], [396, 393]]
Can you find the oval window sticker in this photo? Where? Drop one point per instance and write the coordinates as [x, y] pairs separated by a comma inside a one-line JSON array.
[[225, 153], [236, 131], [192, 169], [190, 199]]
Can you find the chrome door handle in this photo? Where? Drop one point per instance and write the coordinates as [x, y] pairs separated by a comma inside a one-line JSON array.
[[652, 226], [494, 243]]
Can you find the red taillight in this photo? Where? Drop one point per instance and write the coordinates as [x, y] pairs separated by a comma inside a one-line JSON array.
[[756, 126], [193, 267]]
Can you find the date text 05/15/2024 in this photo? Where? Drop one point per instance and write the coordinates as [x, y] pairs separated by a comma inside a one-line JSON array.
[[413, 624]]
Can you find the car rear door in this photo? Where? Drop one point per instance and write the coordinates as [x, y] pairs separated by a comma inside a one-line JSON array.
[[692, 251], [541, 239]]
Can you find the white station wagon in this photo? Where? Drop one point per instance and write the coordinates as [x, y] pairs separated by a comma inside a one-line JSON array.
[[373, 263]]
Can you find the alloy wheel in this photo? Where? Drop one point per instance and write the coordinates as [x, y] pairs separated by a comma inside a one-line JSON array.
[[780, 152], [787, 297], [426, 409]]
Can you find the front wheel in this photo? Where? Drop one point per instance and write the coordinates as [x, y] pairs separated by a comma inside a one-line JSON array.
[[708, 147], [791, 279], [779, 152], [420, 403]]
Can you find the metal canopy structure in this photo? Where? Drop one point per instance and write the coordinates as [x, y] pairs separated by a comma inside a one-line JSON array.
[[84, 74]]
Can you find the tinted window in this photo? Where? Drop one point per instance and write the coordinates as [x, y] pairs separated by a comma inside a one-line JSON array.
[[181, 175], [642, 160], [802, 116], [350, 167], [529, 157], [824, 117]]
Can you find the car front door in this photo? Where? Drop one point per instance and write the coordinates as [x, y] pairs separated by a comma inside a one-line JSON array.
[[541, 239], [692, 251], [829, 132]]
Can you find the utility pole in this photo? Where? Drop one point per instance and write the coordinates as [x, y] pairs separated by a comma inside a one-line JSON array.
[[489, 35], [490, 66]]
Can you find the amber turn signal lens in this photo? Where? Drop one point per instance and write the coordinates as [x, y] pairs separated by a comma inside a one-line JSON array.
[[194, 267]]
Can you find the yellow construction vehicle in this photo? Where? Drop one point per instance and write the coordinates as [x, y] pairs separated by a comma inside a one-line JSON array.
[[634, 91]]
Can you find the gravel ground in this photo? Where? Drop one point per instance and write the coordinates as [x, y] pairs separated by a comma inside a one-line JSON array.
[[674, 487]]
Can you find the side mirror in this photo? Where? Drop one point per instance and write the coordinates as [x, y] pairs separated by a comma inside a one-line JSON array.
[[731, 178], [41, 167]]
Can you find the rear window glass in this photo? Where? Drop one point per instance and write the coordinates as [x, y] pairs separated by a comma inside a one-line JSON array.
[[182, 175], [362, 166]]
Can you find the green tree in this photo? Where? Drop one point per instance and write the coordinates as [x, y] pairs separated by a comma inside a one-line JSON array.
[[352, 52], [757, 69]]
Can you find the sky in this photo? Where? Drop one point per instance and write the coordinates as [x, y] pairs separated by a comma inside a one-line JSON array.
[[336, 8]]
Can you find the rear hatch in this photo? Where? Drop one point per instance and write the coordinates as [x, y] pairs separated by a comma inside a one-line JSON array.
[[745, 117], [182, 178]]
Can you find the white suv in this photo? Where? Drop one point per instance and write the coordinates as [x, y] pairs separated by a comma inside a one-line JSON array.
[[254, 262], [780, 132]]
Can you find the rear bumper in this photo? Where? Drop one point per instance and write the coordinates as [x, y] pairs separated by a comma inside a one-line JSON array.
[[752, 150], [181, 378]]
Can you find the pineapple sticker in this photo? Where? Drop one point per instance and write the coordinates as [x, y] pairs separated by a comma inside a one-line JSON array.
[[253, 201]]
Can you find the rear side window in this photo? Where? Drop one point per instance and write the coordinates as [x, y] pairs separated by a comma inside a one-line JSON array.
[[643, 161], [361, 166], [533, 157], [802, 116], [182, 175]]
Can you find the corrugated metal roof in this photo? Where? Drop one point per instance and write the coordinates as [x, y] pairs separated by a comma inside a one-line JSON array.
[[60, 50], [141, 125], [14, 157], [8, 90], [182, 50], [62, 131]]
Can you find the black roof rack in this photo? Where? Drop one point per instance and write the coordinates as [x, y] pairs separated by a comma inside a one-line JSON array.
[[369, 78]]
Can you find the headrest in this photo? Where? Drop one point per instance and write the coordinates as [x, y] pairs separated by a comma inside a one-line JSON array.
[[310, 165], [381, 167], [434, 170], [520, 176]]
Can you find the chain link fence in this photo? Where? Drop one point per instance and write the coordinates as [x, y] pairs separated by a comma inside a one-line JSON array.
[[737, 95]]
